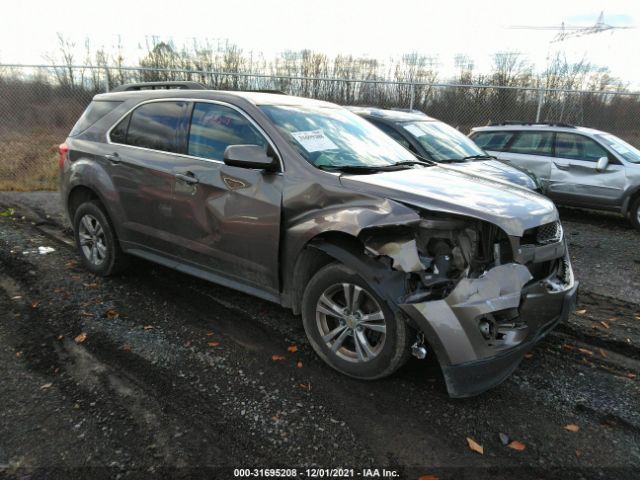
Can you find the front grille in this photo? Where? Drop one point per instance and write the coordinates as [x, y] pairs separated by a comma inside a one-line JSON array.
[[565, 271], [543, 235], [549, 233]]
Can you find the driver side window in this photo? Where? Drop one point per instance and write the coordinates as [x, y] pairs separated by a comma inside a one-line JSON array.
[[578, 147], [214, 127]]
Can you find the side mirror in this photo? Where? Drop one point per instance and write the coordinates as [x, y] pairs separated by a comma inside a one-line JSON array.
[[249, 156], [603, 163]]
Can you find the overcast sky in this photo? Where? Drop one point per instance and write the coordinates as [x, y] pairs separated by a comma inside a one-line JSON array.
[[377, 29]]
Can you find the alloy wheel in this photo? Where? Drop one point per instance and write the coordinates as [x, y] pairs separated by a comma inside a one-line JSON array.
[[92, 240], [351, 322]]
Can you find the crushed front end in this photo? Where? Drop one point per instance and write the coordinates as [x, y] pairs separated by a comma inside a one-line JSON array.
[[479, 297]]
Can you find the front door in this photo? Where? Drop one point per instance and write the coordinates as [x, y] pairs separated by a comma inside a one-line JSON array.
[[227, 219], [574, 178]]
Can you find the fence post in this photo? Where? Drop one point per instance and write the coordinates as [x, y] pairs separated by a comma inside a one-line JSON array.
[[106, 79], [540, 98], [412, 96]]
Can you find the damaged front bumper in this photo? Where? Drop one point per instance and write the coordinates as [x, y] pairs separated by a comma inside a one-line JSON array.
[[483, 328]]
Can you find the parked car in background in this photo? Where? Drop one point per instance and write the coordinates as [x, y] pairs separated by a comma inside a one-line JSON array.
[[303, 203], [576, 166], [435, 140]]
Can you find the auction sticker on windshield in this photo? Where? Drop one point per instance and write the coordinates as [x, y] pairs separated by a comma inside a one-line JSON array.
[[314, 140]]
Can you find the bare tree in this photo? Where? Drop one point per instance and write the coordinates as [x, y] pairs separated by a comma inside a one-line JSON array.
[[65, 55]]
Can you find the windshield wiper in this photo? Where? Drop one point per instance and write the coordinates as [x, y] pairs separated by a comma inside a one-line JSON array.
[[377, 168], [423, 160], [352, 168], [369, 168], [479, 157], [466, 159], [452, 160], [424, 163]]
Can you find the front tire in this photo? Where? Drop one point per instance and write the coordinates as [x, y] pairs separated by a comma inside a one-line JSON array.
[[96, 240], [350, 327]]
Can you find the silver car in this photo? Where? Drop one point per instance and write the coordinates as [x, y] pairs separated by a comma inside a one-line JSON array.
[[576, 166], [435, 140]]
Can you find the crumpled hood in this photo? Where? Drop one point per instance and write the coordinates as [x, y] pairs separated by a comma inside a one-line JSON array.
[[496, 169], [512, 208]]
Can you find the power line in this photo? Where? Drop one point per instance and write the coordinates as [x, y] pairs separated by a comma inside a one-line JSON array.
[[572, 31]]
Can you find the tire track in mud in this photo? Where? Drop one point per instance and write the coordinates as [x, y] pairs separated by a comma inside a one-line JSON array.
[[218, 392], [134, 406], [404, 420]]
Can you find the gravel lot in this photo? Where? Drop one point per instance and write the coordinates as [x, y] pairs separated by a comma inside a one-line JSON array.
[[158, 374]]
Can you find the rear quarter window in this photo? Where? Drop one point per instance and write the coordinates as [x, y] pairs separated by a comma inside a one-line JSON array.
[[94, 112]]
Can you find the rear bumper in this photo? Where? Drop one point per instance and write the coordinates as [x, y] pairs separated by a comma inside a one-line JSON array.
[[473, 378]]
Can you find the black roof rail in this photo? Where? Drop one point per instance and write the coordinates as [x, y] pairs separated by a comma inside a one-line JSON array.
[[131, 87], [275, 92], [408, 110], [515, 122]]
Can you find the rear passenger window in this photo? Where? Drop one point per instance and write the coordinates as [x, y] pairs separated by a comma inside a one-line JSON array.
[[578, 147], [533, 143], [496, 141], [152, 125], [215, 127]]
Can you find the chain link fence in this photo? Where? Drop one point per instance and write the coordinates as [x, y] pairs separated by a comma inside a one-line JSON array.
[[40, 104]]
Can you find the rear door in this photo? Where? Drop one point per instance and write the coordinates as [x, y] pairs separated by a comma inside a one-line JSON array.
[[140, 163], [531, 150], [227, 219], [575, 180]]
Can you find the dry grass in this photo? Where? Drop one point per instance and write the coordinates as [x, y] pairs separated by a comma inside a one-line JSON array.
[[29, 159]]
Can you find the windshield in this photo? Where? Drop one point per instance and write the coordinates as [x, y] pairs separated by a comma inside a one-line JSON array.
[[443, 142], [334, 137], [622, 148]]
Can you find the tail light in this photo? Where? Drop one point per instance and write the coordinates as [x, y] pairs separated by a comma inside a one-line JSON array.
[[63, 149]]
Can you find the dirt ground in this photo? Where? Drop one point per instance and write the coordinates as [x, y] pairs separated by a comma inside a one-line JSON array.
[[157, 374]]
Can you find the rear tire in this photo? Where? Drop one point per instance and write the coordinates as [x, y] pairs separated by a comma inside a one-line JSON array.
[[634, 213], [96, 240], [350, 327]]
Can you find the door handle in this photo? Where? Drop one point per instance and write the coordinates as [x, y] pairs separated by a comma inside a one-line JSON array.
[[561, 166], [113, 157], [187, 177]]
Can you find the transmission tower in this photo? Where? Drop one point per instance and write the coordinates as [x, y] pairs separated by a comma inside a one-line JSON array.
[[572, 31]]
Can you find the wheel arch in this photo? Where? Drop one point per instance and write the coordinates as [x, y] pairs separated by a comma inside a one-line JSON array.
[[349, 250], [311, 258], [631, 196], [80, 194]]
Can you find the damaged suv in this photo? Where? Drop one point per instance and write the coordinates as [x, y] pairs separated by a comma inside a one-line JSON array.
[[303, 203]]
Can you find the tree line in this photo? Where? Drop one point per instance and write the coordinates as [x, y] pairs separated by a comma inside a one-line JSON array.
[[411, 79]]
